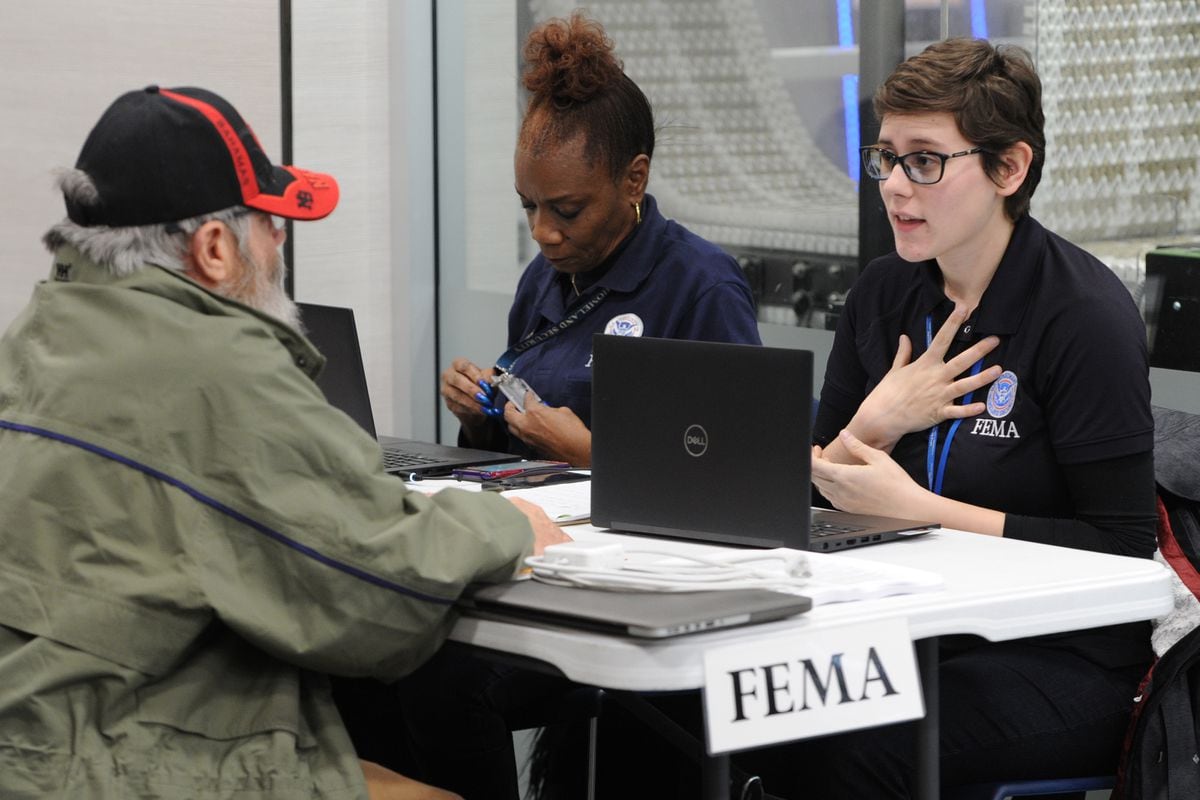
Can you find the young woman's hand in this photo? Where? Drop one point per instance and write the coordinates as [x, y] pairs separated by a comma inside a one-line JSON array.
[[915, 395]]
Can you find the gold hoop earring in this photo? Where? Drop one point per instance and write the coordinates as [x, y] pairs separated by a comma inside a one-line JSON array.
[[637, 210]]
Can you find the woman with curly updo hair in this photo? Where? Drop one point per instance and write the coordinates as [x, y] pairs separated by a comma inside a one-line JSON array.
[[582, 164]]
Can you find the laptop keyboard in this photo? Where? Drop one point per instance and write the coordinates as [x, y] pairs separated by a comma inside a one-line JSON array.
[[830, 529], [393, 460]]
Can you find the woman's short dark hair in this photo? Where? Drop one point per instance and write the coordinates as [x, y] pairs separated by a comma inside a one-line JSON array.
[[577, 86], [993, 92]]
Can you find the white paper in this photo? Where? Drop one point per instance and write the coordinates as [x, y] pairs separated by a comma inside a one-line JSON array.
[[563, 502]]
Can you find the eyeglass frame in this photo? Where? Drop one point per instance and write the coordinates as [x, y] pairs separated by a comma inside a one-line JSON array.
[[899, 159], [276, 223]]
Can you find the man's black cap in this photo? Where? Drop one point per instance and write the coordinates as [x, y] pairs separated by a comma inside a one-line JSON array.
[[163, 155]]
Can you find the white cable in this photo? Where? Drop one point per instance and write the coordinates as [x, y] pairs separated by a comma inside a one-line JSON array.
[[608, 566]]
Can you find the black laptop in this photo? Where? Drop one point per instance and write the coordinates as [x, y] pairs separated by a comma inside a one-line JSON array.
[[710, 441], [344, 382]]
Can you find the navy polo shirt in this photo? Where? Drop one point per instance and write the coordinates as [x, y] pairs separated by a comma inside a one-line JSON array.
[[1075, 387], [666, 282]]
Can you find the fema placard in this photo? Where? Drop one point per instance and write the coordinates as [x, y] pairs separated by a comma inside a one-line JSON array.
[[810, 683]]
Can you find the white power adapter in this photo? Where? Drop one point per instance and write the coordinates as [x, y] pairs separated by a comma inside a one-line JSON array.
[[606, 565], [589, 555]]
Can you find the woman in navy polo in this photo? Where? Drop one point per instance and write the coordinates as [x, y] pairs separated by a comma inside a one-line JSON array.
[[993, 377], [582, 163]]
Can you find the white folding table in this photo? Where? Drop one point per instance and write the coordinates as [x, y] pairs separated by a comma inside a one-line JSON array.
[[996, 588]]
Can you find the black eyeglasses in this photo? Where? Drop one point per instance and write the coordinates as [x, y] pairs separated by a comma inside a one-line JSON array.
[[921, 166]]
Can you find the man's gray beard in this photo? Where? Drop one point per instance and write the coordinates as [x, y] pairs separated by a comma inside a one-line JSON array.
[[262, 288]]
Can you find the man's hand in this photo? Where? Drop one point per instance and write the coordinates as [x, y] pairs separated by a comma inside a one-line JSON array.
[[916, 395], [468, 393], [545, 532], [555, 433]]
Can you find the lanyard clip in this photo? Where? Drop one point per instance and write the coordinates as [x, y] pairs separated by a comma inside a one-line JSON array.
[[513, 387]]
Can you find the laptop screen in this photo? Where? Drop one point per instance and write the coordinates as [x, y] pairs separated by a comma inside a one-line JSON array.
[[343, 380], [701, 440]]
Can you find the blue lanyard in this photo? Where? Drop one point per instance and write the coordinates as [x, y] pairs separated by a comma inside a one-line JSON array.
[[509, 357], [935, 486]]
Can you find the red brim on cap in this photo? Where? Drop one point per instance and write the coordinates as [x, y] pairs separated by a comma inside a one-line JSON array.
[[295, 193]]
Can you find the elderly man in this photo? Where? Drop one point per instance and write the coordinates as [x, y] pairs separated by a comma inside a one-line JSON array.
[[190, 536]]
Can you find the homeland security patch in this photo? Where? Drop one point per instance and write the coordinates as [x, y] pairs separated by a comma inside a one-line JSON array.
[[624, 325], [1002, 395]]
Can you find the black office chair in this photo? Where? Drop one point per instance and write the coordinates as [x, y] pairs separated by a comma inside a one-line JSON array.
[[1057, 789]]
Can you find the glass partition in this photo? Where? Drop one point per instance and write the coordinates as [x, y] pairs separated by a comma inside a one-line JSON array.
[[759, 106]]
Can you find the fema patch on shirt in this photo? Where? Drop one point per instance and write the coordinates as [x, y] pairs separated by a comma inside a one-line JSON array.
[[1002, 395], [624, 325]]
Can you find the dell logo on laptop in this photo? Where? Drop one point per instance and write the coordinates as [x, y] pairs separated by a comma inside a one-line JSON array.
[[695, 440]]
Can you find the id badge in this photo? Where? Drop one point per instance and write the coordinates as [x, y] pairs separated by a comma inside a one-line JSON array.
[[514, 389]]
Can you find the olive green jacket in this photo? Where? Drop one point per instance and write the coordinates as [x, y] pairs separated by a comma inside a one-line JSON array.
[[190, 537]]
